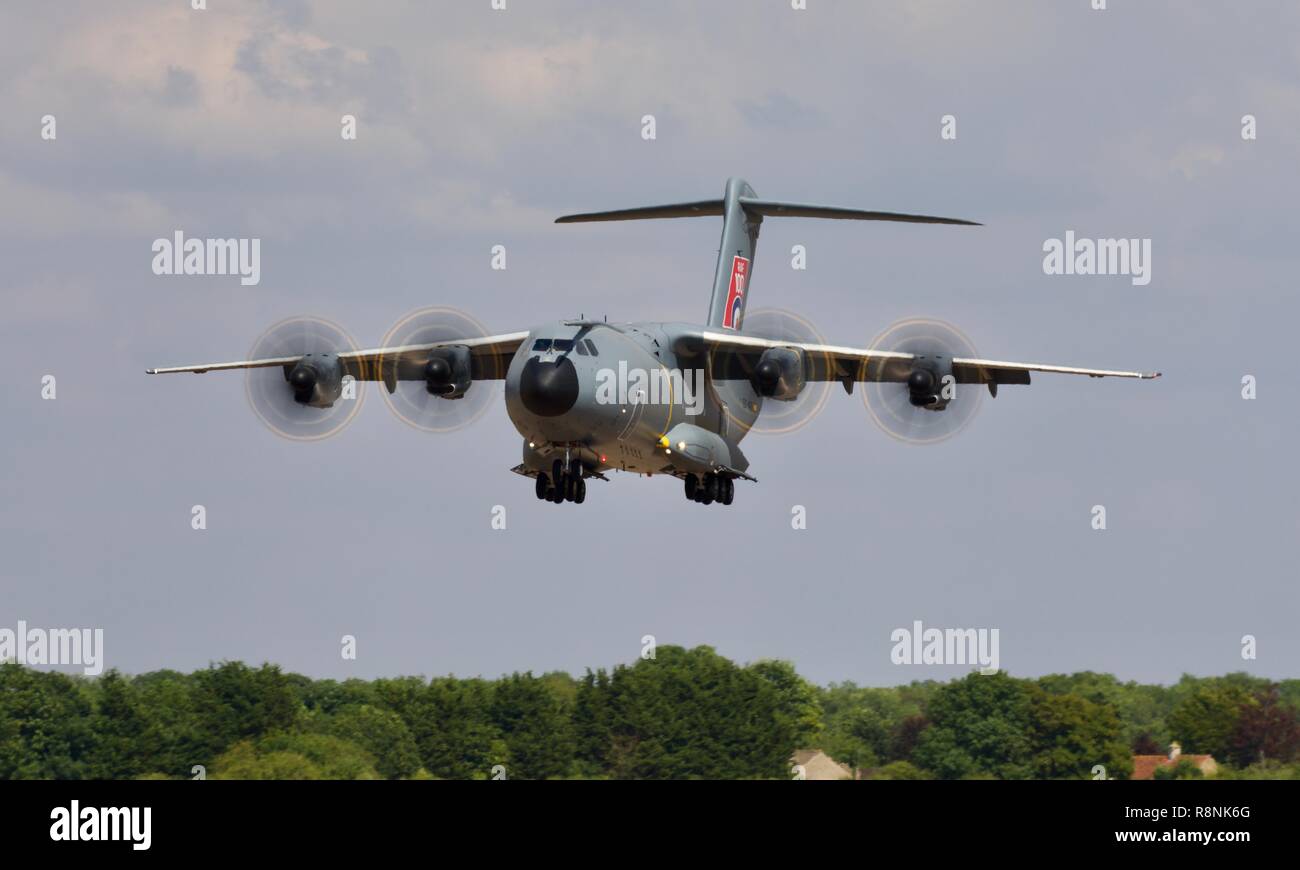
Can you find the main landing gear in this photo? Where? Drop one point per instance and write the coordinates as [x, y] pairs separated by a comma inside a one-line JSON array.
[[713, 487], [562, 484]]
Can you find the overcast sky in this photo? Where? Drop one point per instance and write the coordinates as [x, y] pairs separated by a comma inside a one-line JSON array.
[[477, 128]]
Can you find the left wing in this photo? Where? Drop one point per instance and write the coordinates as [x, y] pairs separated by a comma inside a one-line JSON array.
[[850, 364], [490, 356]]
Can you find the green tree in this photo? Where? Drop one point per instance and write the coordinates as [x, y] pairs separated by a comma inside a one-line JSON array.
[[1072, 735], [1204, 721], [591, 723], [694, 714], [243, 761], [900, 770], [233, 701], [980, 724], [170, 742], [1266, 729], [449, 720], [535, 726], [45, 725], [295, 756], [1184, 769], [118, 725], [380, 732], [799, 703]]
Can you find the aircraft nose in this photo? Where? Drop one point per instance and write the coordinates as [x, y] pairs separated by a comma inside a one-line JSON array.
[[548, 389]]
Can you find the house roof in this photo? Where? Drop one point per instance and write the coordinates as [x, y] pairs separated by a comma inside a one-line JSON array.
[[804, 756], [1144, 766]]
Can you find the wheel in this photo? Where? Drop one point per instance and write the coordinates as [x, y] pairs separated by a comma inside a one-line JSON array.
[[556, 494], [557, 469], [728, 490], [543, 484], [711, 489], [692, 486], [571, 487], [581, 495]]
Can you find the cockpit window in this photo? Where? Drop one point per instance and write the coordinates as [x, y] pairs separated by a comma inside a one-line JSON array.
[[542, 344], [591, 346], [564, 345], [582, 349]]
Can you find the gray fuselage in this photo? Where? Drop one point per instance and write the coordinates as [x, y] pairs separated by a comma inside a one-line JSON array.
[[639, 397]]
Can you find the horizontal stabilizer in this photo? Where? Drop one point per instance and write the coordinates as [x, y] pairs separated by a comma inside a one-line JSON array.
[[771, 208], [763, 207], [703, 208]]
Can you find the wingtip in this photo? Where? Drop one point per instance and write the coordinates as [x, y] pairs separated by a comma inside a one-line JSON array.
[[1153, 375]]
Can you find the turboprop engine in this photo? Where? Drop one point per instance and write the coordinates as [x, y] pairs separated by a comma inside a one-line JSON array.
[[448, 372], [316, 379], [780, 373]]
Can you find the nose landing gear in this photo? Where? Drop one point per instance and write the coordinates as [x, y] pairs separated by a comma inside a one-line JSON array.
[[713, 487]]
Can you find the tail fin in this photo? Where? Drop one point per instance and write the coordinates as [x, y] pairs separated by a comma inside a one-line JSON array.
[[742, 214]]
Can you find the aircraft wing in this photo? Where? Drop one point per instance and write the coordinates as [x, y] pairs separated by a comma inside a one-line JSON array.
[[490, 356], [849, 364]]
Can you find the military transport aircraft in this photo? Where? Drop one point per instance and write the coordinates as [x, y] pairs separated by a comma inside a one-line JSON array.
[[590, 396]]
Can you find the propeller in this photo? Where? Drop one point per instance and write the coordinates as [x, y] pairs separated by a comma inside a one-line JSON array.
[[312, 399], [435, 392], [778, 417], [921, 402]]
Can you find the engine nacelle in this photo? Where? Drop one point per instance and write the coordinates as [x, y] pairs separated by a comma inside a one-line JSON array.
[[780, 374], [931, 382], [316, 379], [449, 372]]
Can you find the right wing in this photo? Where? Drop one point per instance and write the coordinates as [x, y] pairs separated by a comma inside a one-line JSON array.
[[490, 356]]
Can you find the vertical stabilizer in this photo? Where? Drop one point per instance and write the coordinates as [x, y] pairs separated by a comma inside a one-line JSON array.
[[735, 257]]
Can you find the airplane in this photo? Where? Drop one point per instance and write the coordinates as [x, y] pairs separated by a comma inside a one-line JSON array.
[[590, 396]]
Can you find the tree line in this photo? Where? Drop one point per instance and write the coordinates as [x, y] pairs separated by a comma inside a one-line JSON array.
[[686, 713]]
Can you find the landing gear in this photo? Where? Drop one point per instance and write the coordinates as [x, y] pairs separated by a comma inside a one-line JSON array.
[[563, 484], [713, 487]]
